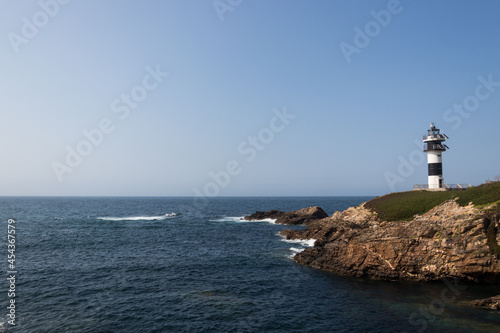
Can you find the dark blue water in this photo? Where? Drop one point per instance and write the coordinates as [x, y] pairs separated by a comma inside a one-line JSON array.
[[122, 265]]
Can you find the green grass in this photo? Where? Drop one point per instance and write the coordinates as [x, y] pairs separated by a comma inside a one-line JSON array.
[[403, 206]]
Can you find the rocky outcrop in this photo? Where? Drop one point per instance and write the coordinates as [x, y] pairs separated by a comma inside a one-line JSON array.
[[449, 241], [303, 216], [492, 303]]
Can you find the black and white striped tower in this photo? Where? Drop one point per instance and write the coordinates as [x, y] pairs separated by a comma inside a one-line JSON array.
[[433, 146]]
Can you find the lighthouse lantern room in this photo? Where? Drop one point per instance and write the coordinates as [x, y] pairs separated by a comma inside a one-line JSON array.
[[434, 147]]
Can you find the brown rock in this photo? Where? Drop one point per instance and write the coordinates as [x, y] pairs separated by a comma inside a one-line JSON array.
[[449, 241], [302, 216], [492, 303]]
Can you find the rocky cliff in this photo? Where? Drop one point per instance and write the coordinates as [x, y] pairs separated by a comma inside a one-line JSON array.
[[449, 241]]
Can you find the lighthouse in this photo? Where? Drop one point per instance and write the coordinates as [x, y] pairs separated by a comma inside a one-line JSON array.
[[434, 147]]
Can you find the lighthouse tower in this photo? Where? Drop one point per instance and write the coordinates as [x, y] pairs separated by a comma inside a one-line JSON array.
[[433, 146]]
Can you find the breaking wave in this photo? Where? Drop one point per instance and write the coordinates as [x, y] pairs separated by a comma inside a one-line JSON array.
[[229, 219], [303, 243], [139, 218], [239, 219]]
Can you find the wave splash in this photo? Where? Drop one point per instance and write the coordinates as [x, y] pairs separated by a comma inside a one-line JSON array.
[[303, 243], [228, 219], [239, 219], [139, 218]]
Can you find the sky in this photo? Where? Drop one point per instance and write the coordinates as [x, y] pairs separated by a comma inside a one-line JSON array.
[[244, 97]]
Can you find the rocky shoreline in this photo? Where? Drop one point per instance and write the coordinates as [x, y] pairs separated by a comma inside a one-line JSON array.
[[491, 303], [304, 216], [447, 242]]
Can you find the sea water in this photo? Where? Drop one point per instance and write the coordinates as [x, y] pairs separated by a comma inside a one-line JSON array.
[[181, 265]]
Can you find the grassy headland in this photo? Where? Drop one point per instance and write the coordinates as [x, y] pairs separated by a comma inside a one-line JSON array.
[[403, 206]]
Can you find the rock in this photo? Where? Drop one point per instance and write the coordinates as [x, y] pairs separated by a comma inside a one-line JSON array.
[[492, 303], [272, 214], [303, 216], [447, 242]]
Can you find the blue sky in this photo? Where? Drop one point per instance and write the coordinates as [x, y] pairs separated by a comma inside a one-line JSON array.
[[229, 97]]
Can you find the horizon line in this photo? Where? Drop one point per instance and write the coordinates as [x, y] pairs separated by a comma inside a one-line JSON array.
[[179, 196]]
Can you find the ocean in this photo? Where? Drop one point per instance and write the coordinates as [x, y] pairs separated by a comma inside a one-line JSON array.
[[103, 264]]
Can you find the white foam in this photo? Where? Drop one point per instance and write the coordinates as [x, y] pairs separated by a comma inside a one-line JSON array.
[[229, 219], [296, 250], [304, 242], [272, 221], [239, 219], [138, 218]]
